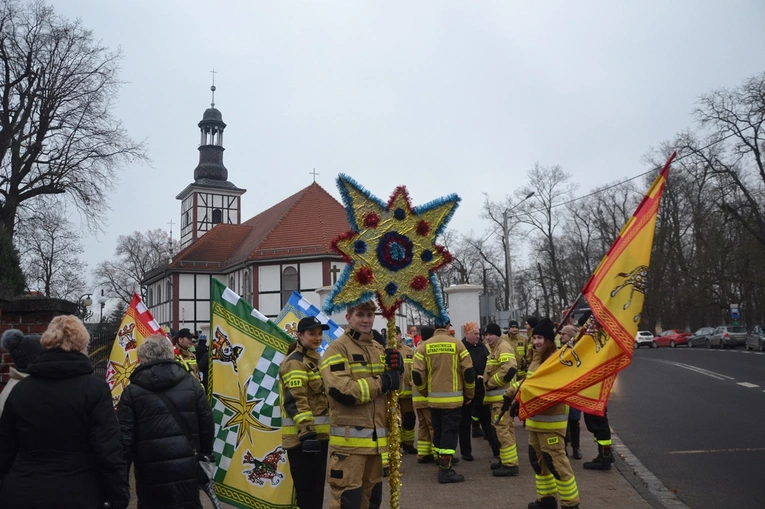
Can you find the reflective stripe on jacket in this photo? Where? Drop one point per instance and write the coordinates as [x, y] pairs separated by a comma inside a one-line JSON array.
[[501, 360], [303, 399], [351, 369], [441, 363]]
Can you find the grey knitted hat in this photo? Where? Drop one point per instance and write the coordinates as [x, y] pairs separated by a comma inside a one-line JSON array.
[[23, 349]]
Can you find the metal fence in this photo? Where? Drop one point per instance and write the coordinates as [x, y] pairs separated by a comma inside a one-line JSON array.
[[101, 342]]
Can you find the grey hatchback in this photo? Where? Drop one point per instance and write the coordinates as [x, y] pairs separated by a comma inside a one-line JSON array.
[[756, 339], [728, 336]]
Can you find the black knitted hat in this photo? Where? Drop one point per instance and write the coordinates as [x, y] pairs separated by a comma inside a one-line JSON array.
[[426, 332], [532, 321], [545, 330], [23, 349], [513, 323], [493, 328]]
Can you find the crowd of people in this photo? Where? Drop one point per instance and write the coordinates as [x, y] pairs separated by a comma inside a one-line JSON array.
[[62, 445], [58, 427], [451, 391]]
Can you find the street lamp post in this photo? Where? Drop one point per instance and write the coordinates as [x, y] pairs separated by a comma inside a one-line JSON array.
[[102, 301], [508, 261], [83, 303]]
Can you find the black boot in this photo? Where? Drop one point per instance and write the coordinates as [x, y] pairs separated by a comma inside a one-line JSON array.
[[544, 503], [446, 473], [602, 461], [505, 471], [577, 453], [409, 448], [426, 459]]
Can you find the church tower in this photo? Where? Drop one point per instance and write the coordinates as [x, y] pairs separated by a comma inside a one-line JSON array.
[[211, 198]]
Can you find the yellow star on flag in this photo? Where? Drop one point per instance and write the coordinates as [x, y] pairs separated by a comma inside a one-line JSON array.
[[242, 414], [391, 252], [122, 372]]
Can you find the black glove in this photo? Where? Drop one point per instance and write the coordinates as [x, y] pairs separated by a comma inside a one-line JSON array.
[[394, 360], [391, 380], [507, 401], [514, 407], [311, 446]]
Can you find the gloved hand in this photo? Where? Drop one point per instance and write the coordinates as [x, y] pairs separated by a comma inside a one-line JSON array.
[[394, 360], [391, 380], [514, 408], [311, 446]]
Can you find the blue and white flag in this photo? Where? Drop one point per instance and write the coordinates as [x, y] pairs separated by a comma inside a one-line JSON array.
[[298, 307]]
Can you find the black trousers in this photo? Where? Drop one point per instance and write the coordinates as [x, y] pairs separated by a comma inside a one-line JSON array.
[[598, 426], [573, 432], [446, 426], [309, 472], [483, 412]]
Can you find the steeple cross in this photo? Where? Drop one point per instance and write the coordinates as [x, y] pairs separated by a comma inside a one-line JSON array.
[[314, 174], [212, 88], [171, 223]]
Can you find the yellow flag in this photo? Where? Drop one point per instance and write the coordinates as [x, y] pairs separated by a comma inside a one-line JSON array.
[[246, 350], [137, 325], [582, 374]]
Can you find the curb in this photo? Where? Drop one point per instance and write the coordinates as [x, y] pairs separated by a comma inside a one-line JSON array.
[[643, 480]]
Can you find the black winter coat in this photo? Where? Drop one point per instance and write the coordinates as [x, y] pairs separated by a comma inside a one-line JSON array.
[[479, 354], [165, 464], [59, 439]]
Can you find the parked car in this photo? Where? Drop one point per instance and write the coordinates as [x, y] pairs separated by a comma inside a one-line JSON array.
[[671, 338], [699, 338], [643, 338], [756, 339], [727, 336]]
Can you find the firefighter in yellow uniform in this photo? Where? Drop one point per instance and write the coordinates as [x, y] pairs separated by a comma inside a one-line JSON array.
[[499, 374], [357, 372], [408, 418], [547, 432], [305, 414], [443, 371], [421, 409], [184, 351], [518, 342]]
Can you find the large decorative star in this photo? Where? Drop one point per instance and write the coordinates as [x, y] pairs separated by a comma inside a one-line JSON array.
[[391, 252], [242, 414], [120, 377]]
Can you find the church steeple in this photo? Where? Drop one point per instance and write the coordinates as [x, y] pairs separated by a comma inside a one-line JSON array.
[[211, 144], [211, 199]]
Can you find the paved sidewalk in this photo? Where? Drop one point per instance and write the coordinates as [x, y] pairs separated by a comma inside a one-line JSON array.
[[420, 490]]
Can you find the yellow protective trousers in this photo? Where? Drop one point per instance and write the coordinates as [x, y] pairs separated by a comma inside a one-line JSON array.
[[508, 451], [554, 477], [424, 432], [355, 480]]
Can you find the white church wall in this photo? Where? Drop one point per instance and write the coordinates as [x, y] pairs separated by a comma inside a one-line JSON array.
[[310, 275], [203, 311], [203, 287], [186, 286], [270, 304], [269, 279]]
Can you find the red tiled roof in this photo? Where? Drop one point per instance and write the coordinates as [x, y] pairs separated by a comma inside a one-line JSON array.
[[214, 247], [302, 224]]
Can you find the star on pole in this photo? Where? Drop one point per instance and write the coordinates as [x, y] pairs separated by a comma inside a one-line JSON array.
[[391, 251], [242, 414]]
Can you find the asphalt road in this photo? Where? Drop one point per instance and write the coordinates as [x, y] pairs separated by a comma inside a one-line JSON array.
[[696, 419]]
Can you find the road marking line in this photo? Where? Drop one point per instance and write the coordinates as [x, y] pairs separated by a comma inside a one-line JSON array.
[[701, 371], [747, 385], [738, 449]]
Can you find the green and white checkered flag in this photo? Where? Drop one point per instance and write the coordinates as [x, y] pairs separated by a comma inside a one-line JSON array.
[[246, 350]]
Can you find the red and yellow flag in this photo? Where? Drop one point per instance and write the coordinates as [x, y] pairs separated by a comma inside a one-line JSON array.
[[137, 325], [582, 376]]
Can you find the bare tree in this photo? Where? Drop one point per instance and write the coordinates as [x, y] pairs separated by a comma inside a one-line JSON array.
[[50, 251], [57, 131], [551, 187], [137, 255]]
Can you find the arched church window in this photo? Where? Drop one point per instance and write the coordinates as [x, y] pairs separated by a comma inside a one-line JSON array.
[[289, 283], [217, 216], [186, 219], [231, 283], [148, 298], [159, 294], [168, 286]]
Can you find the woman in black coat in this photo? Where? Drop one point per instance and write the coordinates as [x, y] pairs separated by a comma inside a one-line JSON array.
[[59, 437], [166, 465]]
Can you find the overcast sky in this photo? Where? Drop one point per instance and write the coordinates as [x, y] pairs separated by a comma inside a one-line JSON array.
[[440, 96]]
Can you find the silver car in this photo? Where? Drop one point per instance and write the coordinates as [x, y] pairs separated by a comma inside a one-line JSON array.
[[728, 336]]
